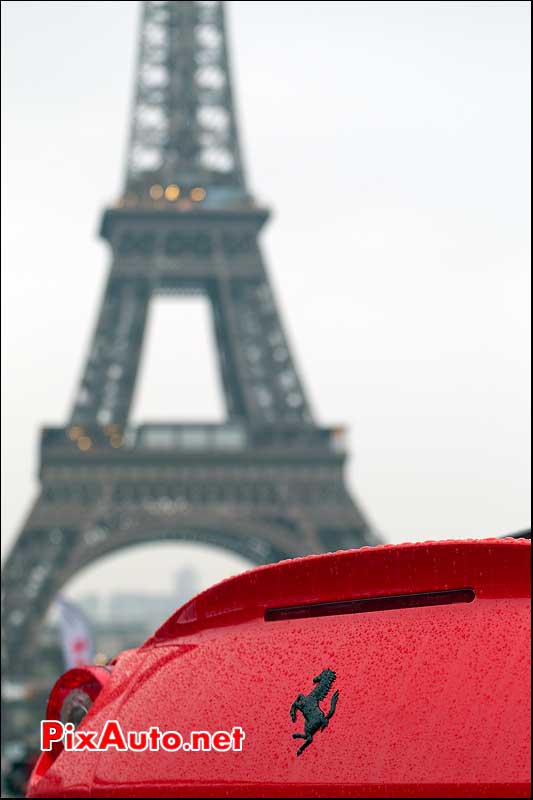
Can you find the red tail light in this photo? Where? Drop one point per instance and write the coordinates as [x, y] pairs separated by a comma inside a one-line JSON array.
[[70, 700], [75, 692]]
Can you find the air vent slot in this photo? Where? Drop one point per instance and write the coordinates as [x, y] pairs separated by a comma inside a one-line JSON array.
[[367, 604]]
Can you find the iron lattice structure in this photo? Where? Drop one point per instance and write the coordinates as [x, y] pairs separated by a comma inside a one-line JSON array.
[[268, 484], [184, 118]]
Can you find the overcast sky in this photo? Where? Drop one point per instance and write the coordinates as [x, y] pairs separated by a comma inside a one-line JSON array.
[[392, 140]]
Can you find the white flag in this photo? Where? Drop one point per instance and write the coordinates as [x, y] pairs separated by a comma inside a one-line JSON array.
[[76, 638]]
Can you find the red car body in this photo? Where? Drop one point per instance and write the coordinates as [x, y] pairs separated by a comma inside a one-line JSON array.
[[430, 647]]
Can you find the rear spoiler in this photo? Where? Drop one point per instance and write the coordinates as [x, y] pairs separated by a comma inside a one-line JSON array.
[[370, 578]]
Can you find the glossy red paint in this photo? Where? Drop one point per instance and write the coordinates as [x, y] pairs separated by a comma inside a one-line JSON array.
[[434, 700]]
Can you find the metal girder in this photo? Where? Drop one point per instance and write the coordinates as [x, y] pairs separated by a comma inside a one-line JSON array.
[[220, 256], [106, 389], [183, 120]]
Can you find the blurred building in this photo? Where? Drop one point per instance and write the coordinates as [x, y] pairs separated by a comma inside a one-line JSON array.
[[121, 611]]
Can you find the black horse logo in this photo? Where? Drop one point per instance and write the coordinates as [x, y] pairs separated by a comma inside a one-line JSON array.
[[308, 704]]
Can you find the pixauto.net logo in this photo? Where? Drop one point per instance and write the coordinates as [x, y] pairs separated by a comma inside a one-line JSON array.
[[112, 737]]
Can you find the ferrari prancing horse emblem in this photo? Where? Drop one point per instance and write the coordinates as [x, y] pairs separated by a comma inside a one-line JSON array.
[[308, 705]]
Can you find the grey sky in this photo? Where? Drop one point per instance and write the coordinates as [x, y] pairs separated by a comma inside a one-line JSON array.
[[392, 140]]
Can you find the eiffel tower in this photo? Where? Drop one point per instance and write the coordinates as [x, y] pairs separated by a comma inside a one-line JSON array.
[[268, 483]]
